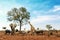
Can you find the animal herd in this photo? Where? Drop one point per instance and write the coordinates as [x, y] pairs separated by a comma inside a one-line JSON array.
[[40, 32]]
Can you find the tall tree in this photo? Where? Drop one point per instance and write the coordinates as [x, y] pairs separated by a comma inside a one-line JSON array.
[[20, 15], [49, 28]]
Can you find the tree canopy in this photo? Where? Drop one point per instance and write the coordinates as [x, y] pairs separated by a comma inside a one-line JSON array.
[[21, 15]]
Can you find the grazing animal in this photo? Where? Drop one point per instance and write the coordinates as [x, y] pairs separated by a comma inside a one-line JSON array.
[[51, 33], [32, 31], [7, 31], [39, 32], [16, 30]]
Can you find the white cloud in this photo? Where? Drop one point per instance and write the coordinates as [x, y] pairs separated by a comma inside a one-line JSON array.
[[42, 21], [56, 8], [53, 11], [45, 18], [50, 16]]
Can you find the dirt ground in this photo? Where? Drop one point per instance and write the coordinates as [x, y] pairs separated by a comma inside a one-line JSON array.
[[27, 37]]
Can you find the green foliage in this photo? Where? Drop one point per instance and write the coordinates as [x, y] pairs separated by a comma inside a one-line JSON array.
[[22, 9], [48, 27], [21, 15]]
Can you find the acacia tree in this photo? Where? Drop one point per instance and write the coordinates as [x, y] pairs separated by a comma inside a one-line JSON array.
[[20, 15], [48, 27]]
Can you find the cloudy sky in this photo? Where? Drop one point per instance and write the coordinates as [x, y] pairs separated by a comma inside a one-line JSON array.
[[42, 12]]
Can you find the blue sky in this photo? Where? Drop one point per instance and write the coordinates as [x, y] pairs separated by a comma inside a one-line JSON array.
[[42, 12]]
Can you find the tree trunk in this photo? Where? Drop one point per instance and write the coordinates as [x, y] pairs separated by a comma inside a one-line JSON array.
[[20, 27], [48, 33]]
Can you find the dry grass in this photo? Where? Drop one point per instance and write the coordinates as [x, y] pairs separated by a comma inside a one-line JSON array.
[[27, 37]]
